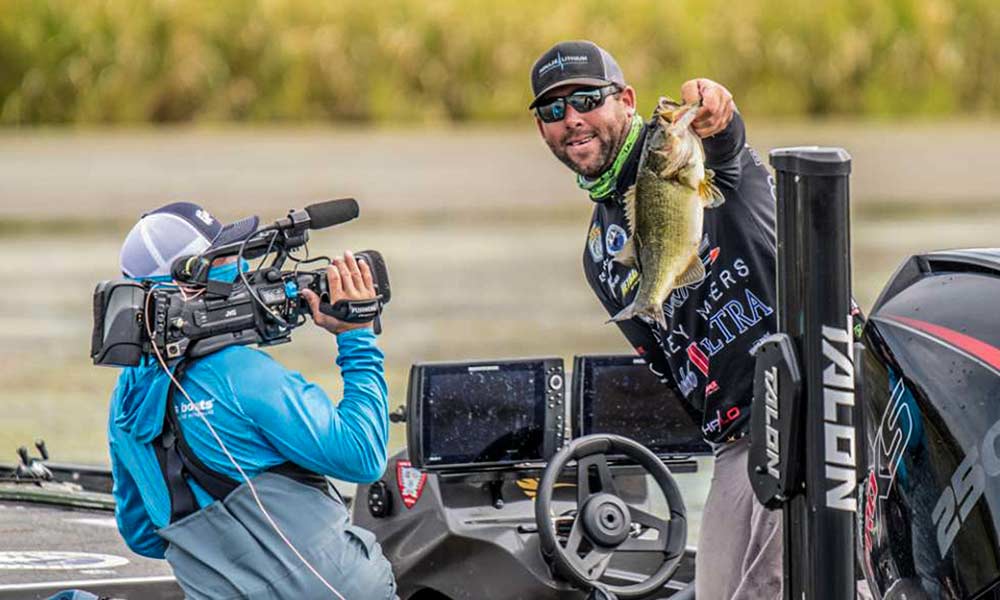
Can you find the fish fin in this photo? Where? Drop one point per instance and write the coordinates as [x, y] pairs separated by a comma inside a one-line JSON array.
[[658, 317], [649, 313], [629, 205], [627, 255], [710, 194], [695, 273], [624, 314]]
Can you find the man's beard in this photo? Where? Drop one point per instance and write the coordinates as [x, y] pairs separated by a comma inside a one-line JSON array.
[[609, 143]]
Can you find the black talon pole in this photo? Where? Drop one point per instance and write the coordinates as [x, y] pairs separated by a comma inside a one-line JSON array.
[[814, 291]]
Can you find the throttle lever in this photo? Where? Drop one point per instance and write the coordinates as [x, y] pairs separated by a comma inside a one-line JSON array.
[[42, 450], [32, 467]]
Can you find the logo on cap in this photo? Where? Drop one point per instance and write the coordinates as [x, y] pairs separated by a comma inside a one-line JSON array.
[[560, 61], [203, 216]]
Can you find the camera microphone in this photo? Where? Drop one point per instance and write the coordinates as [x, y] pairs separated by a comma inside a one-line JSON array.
[[331, 212], [317, 216]]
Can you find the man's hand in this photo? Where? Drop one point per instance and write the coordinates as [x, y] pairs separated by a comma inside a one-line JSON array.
[[717, 106], [347, 281]]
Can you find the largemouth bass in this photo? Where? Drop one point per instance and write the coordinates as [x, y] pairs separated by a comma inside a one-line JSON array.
[[665, 211]]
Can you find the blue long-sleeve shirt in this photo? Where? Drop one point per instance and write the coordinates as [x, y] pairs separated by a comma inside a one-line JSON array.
[[264, 413]]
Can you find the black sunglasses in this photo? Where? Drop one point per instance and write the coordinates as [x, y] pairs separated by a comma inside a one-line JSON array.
[[582, 101]]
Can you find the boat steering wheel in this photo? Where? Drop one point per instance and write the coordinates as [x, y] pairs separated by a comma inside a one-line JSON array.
[[606, 524]]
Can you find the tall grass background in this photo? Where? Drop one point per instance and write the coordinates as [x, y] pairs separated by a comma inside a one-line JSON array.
[[437, 61]]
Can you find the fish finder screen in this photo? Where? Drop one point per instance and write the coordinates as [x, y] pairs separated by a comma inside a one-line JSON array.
[[492, 414], [628, 400]]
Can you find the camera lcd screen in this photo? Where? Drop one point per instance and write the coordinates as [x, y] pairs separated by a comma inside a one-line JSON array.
[[619, 395], [483, 414]]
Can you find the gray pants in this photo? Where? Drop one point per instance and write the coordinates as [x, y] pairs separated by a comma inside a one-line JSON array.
[[229, 551], [739, 547]]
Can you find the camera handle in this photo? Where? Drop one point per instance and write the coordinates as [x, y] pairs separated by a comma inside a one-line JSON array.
[[355, 311]]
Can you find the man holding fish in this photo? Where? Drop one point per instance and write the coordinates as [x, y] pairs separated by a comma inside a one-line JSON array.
[[681, 252]]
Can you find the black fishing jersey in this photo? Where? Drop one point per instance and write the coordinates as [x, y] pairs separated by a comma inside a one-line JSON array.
[[705, 353]]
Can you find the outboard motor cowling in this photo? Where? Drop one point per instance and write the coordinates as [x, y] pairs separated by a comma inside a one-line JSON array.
[[931, 421]]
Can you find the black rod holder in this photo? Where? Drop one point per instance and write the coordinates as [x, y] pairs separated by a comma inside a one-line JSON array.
[[814, 304]]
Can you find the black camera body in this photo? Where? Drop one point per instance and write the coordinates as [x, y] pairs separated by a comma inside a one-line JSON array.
[[134, 318]]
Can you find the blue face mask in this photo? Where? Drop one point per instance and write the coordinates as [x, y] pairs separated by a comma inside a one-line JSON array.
[[226, 273]]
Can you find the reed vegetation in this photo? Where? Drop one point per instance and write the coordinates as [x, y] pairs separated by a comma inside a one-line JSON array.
[[438, 61]]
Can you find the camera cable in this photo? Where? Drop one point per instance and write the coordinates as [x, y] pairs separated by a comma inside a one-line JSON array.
[[225, 450], [243, 277]]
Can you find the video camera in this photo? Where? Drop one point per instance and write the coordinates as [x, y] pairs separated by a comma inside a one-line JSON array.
[[195, 315]]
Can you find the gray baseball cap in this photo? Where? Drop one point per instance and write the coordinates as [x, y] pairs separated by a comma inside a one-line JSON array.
[[578, 61]]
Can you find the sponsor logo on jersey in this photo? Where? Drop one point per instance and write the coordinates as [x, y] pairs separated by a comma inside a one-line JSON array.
[[186, 409], [721, 420], [595, 244], [630, 280], [615, 239]]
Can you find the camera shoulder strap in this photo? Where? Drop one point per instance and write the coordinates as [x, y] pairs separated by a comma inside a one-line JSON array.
[[179, 463]]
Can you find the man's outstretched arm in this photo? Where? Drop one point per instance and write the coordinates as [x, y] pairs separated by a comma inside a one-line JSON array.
[[721, 128]]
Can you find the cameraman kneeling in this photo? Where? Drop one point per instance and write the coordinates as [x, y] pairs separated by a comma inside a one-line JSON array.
[[242, 428]]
